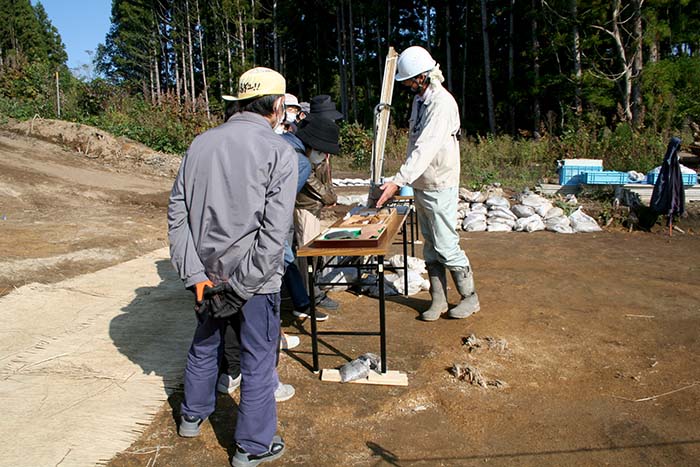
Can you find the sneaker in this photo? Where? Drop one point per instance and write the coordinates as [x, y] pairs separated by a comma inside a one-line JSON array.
[[189, 426], [244, 459], [227, 384], [303, 314], [289, 342], [284, 392], [328, 303]]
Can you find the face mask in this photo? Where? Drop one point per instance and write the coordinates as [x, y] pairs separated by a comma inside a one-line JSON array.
[[317, 157], [291, 117]]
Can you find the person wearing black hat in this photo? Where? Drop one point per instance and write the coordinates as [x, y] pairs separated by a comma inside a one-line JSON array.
[[322, 106], [321, 139]]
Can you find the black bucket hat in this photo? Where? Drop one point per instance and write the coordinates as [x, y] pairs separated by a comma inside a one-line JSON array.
[[320, 134], [323, 106]]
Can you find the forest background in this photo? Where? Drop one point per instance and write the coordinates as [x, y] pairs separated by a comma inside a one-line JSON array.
[[536, 80]]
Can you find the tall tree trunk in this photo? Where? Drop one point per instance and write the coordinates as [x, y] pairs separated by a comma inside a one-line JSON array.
[[341, 57], [654, 49], [448, 44], [275, 39], [190, 53], [627, 68], [365, 43], [241, 40], [536, 112], [177, 75], [351, 48], [156, 73], [465, 61], [578, 73], [185, 81], [203, 61], [637, 67], [487, 67], [252, 14], [229, 57], [388, 29], [427, 25], [511, 67], [151, 80]]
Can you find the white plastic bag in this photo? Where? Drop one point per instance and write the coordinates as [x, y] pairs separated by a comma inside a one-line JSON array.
[[582, 222], [521, 210]]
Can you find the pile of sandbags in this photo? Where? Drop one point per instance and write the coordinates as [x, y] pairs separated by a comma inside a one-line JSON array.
[[490, 211]]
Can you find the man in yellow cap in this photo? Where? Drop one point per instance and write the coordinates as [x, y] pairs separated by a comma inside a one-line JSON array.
[[230, 210]]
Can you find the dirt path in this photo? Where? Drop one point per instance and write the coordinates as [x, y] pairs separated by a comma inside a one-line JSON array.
[[592, 323]]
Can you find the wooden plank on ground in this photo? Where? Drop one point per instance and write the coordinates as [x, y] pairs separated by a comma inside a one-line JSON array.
[[390, 378]]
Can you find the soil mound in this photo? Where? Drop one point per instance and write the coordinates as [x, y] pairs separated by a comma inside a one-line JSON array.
[[118, 153]]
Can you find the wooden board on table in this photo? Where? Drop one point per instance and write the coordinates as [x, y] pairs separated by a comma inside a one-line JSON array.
[[369, 229], [390, 378]]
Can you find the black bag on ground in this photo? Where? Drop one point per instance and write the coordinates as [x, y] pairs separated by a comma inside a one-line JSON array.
[[220, 301]]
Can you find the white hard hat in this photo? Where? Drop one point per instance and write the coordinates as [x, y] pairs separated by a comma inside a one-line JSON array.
[[291, 100], [412, 62]]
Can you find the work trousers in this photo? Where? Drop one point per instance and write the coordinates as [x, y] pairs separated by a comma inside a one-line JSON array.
[[257, 327], [437, 214]]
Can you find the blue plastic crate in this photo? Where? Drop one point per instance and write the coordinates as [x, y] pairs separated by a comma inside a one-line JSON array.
[[608, 177], [573, 174], [688, 179]]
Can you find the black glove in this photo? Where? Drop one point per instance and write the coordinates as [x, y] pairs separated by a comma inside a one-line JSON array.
[[221, 301]]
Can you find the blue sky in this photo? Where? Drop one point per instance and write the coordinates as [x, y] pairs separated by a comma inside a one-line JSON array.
[[82, 24]]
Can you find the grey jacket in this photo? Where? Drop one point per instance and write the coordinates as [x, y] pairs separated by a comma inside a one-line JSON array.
[[231, 206]]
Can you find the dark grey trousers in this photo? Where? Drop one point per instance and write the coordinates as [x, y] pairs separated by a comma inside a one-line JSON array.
[[258, 335]]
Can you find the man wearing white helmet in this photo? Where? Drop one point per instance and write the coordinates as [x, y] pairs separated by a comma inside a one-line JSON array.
[[432, 168], [230, 210]]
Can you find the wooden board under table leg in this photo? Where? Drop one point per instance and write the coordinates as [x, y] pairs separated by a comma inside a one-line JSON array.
[[390, 378]]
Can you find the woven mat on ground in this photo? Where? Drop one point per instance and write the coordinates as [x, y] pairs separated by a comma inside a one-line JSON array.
[[85, 363]]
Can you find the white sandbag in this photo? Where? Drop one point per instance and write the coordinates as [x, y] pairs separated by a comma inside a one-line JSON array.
[[542, 209], [582, 222], [475, 226], [533, 200], [500, 220], [494, 201], [463, 205], [479, 208], [559, 220], [522, 211], [522, 223], [415, 282], [554, 212], [535, 226], [472, 196], [500, 211], [559, 228], [499, 227], [473, 217]]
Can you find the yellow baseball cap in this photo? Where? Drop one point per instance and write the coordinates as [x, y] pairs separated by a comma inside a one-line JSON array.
[[256, 82]]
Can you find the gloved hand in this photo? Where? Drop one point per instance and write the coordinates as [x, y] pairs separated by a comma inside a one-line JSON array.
[[199, 289]]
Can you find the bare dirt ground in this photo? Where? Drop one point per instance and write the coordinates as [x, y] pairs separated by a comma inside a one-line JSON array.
[[601, 366]]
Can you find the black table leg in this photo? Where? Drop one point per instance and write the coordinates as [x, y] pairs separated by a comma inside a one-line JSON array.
[[382, 317], [312, 310], [405, 262], [412, 220]]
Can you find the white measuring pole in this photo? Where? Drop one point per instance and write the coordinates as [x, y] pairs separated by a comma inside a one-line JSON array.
[[382, 112]]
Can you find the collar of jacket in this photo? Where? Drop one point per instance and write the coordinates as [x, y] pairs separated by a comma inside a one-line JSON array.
[[429, 91], [252, 118]]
